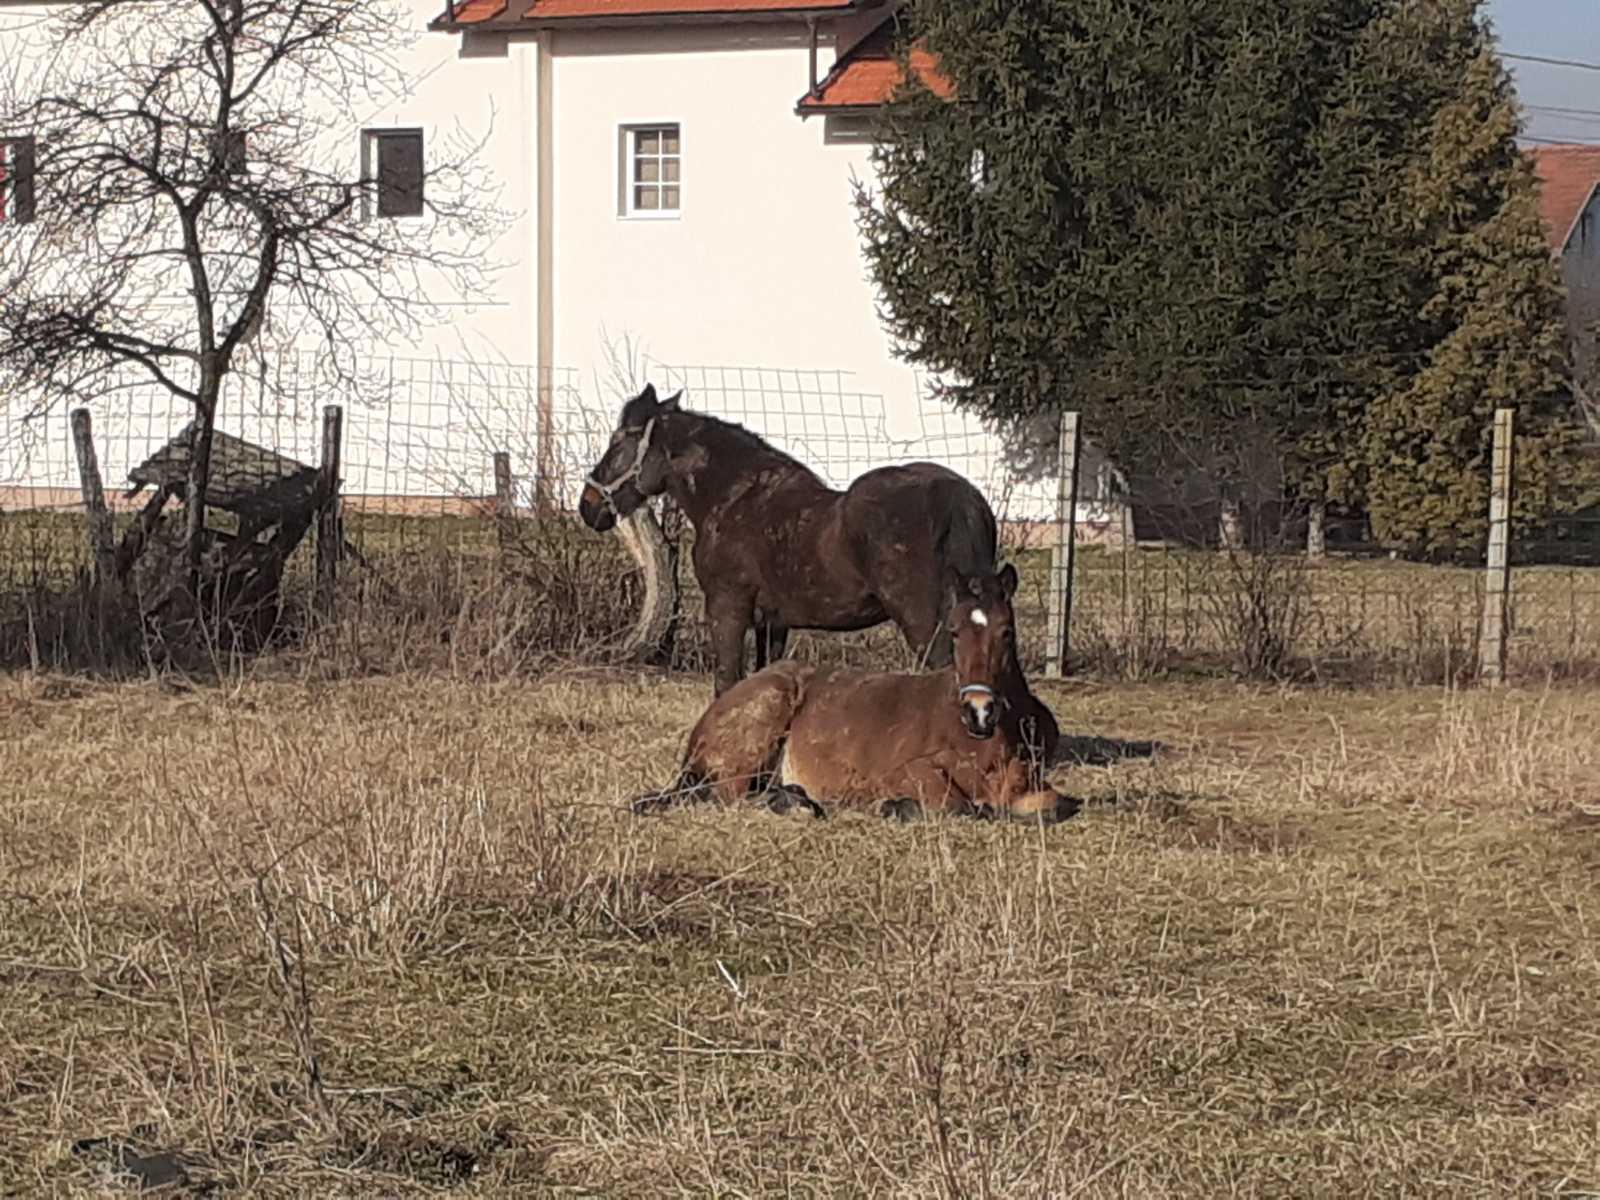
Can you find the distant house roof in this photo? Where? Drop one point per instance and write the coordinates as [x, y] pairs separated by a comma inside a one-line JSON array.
[[866, 75], [1568, 176], [599, 12]]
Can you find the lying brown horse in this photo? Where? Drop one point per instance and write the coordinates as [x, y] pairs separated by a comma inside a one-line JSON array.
[[969, 739], [778, 549]]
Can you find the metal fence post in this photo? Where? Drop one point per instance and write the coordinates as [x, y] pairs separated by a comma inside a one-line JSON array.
[[1061, 553], [1497, 577]]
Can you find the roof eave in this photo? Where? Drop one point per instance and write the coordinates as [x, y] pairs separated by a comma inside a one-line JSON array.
[[1560, 249], [804, 110], [502, 24]]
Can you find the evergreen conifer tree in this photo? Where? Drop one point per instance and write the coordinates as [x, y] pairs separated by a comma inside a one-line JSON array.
[[1267, 243]]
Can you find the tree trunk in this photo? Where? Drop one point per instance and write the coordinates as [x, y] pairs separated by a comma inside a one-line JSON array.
[[195, 493], [642, 535]]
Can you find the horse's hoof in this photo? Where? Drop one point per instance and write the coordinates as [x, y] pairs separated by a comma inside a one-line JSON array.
[[647, 804], [803, 798], [786, 799], [1046, 807], [905, 810]]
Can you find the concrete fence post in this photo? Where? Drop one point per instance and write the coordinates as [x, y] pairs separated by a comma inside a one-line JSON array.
[[1061, 553], [1497, 565]]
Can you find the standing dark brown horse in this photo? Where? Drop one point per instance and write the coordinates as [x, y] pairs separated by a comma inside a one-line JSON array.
[[778, 549], [969, 739]]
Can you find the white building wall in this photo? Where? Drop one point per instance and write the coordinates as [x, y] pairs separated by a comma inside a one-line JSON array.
[[756, 297], [450, 390], [762, 268]]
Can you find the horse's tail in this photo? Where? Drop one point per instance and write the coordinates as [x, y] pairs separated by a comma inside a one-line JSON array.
[[971, 537]]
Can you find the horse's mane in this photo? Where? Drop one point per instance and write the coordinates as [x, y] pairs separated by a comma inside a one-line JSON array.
[[723, 440]]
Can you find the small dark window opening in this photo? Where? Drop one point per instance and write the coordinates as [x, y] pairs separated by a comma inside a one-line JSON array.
[[16, 180], [392, 159]]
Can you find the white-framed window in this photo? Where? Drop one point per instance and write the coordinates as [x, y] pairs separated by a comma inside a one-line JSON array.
[[16, 180], [392, 159], [652, 171]]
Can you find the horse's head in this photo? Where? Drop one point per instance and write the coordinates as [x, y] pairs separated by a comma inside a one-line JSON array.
[[984, 630], [634, 466]]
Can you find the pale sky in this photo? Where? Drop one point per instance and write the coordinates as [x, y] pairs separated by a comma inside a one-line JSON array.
[[1564, 29]]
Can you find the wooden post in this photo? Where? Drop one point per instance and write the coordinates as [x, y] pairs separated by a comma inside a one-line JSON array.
[[505, 501], [94, 497], [1061, 554], [330, 534], [1497, 577]]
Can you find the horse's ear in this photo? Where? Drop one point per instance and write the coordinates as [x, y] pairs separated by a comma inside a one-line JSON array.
[[670, 404], [649, 393], [1008, 580]]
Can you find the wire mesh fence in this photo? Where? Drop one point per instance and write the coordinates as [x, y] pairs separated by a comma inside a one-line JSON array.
[[459, 481]]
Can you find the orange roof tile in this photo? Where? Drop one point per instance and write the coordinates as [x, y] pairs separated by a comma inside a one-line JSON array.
[[472, 12], [867, 74], [1568, 176]]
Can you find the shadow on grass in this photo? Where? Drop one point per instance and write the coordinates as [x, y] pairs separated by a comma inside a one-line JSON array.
[[1087, 751]]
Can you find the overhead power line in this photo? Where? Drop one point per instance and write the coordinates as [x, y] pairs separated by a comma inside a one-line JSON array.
[[1551, 62]]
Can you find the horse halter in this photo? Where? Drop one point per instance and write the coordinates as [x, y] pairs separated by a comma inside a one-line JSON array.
[[607, 490], [975, 687]]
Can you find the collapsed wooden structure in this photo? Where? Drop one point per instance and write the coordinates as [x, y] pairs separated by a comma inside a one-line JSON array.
[[274, 501]]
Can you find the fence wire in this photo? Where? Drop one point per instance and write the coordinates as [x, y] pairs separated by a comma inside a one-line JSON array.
[[424, 513]]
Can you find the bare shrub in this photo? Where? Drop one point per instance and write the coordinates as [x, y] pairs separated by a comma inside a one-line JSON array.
[[1260, 609]]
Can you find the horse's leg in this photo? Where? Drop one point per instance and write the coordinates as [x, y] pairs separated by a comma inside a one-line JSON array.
[[1020, 794], [929, 789], [922, 622], [729, 616], [771, 642], [905, 810], [691, 788]]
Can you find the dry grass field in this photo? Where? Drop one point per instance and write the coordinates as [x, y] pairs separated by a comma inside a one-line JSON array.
[[392, 937]]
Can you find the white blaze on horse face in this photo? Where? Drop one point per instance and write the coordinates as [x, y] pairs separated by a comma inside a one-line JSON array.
[[980, 712], [980, 618]]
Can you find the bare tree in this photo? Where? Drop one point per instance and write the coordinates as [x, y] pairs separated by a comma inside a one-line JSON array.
[[182, 173]]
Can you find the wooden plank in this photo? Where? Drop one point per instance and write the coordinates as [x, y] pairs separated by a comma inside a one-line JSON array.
[[1061, 554], [1497, 566], [245, 478], [133, 542], [94, 496]]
